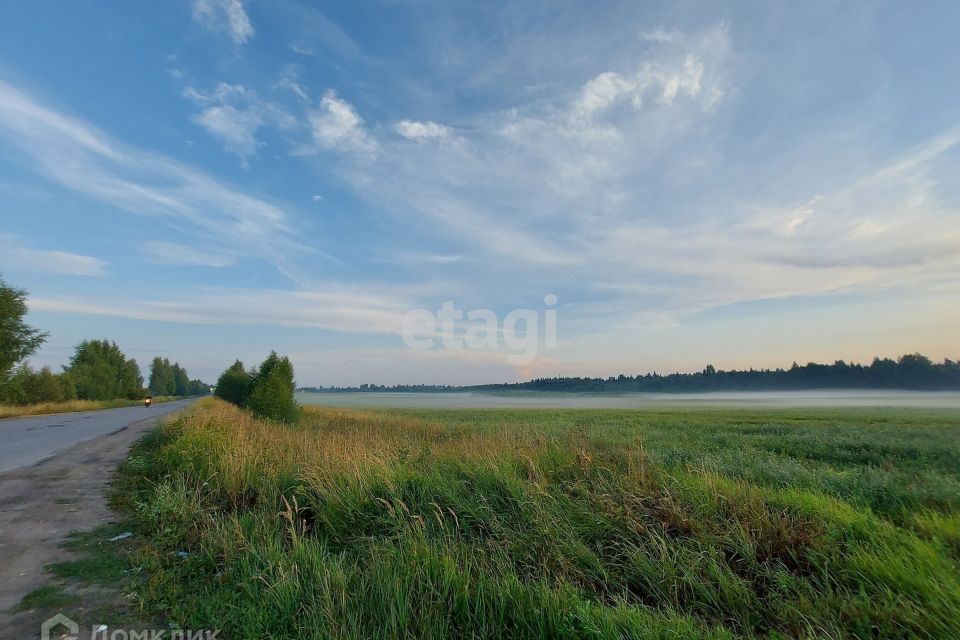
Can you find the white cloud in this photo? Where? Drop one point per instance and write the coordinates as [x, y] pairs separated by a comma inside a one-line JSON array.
[[583, 186], [233, 114], [72, 153], [15, 255], [224, 16], [234, 127], [662, 84], [661, 36], [334, 308], [422, 257], [523, 181], [290, 80], [170, 253], [302, 50], [336, 125], [413, 130], [884, 231]]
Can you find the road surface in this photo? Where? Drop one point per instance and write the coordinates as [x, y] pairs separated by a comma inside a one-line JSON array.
[[54, 475], [29, 441]]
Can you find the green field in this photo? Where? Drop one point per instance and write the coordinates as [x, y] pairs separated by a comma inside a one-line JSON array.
[[531, 524]]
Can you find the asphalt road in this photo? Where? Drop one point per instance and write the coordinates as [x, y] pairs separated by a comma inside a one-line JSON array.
[[29, 441]]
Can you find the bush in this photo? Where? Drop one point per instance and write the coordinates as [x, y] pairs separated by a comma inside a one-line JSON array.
[[266, 391], [26, 386], [234, 385], [272, 395]]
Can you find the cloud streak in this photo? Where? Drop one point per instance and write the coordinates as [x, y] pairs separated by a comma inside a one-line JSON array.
[[336, 308], [16, 255], [70, 152]]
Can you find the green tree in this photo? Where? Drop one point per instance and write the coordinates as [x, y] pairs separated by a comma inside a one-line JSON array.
[[181, 382], [15, 388], [234, 385], [199, 388], [272, 395], [69, 386], [17, 339], [162, 381], [172, 380], [266, 367], [100, 371]]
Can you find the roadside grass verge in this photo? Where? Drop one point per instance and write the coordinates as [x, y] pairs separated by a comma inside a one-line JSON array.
[[49, 597], [69, 406], [92, 587], [532, 524]]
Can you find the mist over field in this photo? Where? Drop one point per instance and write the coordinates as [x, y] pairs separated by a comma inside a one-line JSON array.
[[742, 399]]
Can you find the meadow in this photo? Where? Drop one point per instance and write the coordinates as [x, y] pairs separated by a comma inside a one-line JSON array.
[[537, 523]]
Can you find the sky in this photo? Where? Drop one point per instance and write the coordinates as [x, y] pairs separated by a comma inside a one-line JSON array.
[[683, 183]]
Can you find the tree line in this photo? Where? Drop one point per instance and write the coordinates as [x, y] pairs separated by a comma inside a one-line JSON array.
[[911, 372], [172, 380], [98, 369]]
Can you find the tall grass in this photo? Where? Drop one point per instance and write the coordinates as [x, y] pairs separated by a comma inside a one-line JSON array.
[[531, 524]]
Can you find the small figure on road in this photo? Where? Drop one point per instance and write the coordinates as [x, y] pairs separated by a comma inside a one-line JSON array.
[[148, 401]]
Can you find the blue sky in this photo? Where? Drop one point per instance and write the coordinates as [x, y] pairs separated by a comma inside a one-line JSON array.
[[744, 184]]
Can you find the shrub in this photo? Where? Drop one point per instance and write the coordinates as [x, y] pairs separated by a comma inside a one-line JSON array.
[[273, 387], [266, 391], [26, 386], [234, 385]]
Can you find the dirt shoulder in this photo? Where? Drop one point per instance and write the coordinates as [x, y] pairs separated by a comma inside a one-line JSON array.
[[39, 508]]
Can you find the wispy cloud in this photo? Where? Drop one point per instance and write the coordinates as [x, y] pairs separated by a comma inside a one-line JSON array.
[[316, 33], [224, 16], [408, 257], [16, 255], [173, 254], [233, 114], [335, 308], [290, 80], [887, 230], [71, 152], [562, 185], [521, 182]]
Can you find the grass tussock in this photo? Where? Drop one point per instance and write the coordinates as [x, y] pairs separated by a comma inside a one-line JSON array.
[[532, 524], [40, 408]]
